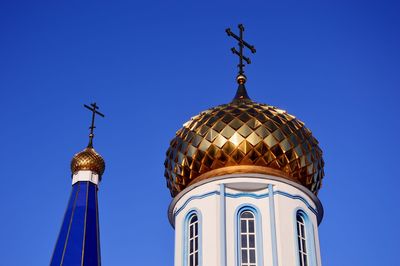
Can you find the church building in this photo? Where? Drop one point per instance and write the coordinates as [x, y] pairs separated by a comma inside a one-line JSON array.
[[243, 176]]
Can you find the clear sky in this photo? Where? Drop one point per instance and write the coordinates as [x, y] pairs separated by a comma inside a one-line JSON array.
[[151, 65]]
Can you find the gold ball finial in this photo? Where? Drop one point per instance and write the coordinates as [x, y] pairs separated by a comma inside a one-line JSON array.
[[241, 79], [88, 159]]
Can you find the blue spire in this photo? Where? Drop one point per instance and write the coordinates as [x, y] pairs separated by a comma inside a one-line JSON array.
[[79, 241]]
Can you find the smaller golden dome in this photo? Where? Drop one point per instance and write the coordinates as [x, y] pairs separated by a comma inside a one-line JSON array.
[[88, 159]]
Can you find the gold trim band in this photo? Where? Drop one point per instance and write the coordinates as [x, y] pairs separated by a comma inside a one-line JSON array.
[[240, 169]]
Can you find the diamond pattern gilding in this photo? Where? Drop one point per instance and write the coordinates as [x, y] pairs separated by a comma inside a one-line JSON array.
[[88, 159], [227, 132], [245, 147], [253, 139], [243, 133], [236, 139], [211, 135], [245, 130], [220, 141], [219, 126]]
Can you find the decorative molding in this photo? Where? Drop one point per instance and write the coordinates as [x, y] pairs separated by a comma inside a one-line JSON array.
[[238, 195], [298, 198], [193, 198], [319, 211]]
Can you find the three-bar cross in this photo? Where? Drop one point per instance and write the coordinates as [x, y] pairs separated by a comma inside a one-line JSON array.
[[93, 107], [241, 44]]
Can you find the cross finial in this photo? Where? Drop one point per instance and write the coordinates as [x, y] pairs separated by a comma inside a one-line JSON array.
[[93, 107], [241, 78]]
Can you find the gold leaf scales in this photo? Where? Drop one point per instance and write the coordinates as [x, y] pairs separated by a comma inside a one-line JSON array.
[[88, 159], [243, 134]]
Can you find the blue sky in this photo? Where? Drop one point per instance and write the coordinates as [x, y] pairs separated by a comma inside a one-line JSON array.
[[151, 65]]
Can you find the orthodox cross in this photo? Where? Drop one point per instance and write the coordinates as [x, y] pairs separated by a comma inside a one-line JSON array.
[[241, 44], [93, 107]]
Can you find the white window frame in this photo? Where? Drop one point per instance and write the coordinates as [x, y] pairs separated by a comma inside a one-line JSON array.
[[302, 244], [193, 241], [245, 249]]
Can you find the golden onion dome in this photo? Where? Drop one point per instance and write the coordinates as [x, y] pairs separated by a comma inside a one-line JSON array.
[[88, 159], [240, 134]]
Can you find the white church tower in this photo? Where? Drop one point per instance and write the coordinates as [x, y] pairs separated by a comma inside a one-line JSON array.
[[244, 178]]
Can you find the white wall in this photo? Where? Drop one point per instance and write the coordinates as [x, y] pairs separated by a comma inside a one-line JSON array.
[[245, 189]]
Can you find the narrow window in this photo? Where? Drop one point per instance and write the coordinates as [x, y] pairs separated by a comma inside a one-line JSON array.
[[247, 239], [302, 240], [193, 241]]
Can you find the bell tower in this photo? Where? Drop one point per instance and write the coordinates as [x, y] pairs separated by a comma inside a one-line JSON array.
[[244, 178]]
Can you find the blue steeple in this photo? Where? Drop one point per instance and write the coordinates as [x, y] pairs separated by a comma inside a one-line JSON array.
[[78, 242]]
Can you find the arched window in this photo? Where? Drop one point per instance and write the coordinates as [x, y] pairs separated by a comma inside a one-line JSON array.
[[247, 238], [193, 241], [302, 239]]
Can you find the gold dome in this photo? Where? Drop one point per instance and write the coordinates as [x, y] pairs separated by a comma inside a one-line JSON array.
[[243, 133], [88, 159]]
